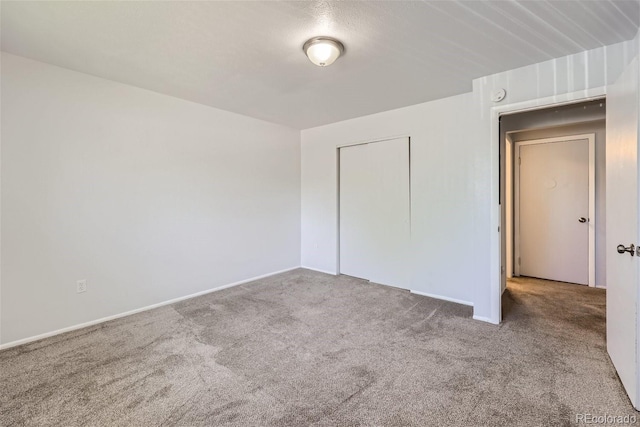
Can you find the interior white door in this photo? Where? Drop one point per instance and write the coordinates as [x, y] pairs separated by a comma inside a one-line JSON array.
[[553, 210], [622, 228], [375, 211]]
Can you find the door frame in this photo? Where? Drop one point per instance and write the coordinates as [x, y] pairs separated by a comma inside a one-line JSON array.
[[495, 215], [591, 141]]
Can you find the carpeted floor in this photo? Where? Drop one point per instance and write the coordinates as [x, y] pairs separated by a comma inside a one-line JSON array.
[[306, 348]]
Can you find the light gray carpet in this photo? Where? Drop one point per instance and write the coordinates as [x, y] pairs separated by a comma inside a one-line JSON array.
[[305, 348]]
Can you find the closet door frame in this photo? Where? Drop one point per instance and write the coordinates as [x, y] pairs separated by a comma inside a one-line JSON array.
[[338, 166]]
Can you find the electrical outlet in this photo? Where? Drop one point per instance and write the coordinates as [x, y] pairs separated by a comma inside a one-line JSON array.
[[81, 286]]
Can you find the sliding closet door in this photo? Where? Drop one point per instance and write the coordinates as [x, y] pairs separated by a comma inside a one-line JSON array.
[[389, 212], [356, 240], [374, 211]]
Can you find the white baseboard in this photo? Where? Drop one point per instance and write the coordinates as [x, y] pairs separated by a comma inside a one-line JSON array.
[[137, 310], [320, 271], [484, 319], [457, 301]]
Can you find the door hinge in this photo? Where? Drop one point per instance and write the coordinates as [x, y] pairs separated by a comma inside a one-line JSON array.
[[518, 260], [519, 160]]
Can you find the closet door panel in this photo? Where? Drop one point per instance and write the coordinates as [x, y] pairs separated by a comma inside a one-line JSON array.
[[356, 239], [389, 212]]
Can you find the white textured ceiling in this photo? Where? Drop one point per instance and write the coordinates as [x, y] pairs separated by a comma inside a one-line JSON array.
[[246, 57]]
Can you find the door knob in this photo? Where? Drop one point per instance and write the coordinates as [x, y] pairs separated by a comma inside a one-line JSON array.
[[631, 249], [582, 219]]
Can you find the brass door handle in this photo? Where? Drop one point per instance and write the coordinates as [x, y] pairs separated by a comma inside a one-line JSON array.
[[631, 249]]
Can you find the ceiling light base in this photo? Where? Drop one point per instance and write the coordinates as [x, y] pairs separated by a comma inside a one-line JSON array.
[[323, 51]]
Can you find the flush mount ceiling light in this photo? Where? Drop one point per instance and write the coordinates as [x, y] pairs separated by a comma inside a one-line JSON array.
[[323, 51]]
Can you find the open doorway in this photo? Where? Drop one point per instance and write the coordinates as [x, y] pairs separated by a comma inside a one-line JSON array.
[[553, 207]]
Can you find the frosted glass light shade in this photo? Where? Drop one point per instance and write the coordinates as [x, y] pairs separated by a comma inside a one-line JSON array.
[[323, 51]]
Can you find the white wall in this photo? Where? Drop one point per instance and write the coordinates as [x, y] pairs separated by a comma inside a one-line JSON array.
[[146, 196], [509, 211], [444, 231]]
